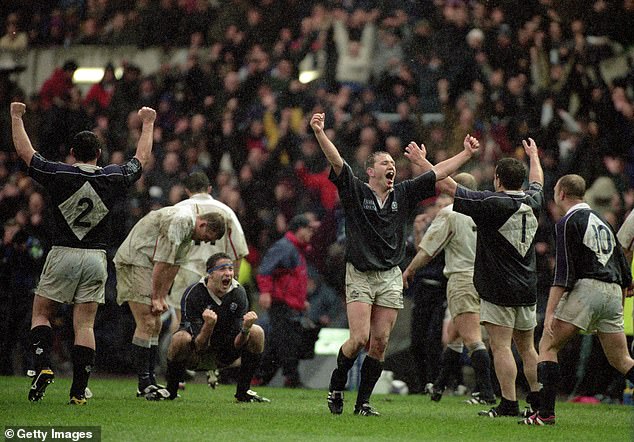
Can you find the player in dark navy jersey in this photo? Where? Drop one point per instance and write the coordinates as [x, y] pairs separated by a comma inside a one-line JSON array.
[[591, 278], [504, 272], [377, 215], [82, 196], [216, 323]]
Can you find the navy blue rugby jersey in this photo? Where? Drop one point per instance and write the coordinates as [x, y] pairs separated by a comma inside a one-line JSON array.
[[587, 247], [504, 272], [230, 310], [375, 234], [82, 197]]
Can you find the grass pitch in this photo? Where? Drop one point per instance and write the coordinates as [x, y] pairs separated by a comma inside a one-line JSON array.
[[294, 415]]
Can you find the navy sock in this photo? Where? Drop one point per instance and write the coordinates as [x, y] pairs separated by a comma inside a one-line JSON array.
[[449, 360], [173, 375], [41, 343], [249, 364], [340, 374], [370, 373], [83, 361], [548, 375], [142, 357], [482, 367]]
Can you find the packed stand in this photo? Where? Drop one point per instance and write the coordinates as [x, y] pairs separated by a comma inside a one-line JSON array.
[[234, 107]]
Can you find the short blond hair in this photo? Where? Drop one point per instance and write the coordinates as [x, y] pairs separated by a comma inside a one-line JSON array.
[[573, 186]]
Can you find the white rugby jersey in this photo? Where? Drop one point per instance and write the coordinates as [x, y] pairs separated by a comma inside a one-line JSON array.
[[454, 233]]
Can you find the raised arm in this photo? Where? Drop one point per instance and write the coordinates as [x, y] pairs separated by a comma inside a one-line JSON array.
[[144, 146], [451, 165], [329, 149], [21, 140], [444, 183], [535, 173]]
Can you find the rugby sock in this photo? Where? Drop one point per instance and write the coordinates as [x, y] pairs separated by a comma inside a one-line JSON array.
[[249, 363], [533, 400], [41, 343], [482, 367], [83, 361], [154, 357], [142, 356], [630, 375], [508, 408], [340, 374], [449, 360], [174, 373], [548, 375], [370, 373]]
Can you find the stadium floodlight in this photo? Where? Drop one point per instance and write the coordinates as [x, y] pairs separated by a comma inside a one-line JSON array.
[[92, 75], [308, 76]]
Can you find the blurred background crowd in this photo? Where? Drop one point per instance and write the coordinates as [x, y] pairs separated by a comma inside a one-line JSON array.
[[236, 106]]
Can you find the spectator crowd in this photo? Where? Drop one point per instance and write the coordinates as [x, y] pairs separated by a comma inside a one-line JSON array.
[[386, 73]]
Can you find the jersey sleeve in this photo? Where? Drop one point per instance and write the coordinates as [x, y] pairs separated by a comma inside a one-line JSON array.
[[42, 170], [174, 238], [536, 192], [472, 203], [421, 187], [132, 171], [344, 181], [625, 234], [192, 314], [439, 233]]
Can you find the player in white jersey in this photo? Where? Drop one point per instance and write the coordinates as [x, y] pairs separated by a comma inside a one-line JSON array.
[[455, 233]]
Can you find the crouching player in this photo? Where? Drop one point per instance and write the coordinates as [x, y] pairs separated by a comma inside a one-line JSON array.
[[215, 325]]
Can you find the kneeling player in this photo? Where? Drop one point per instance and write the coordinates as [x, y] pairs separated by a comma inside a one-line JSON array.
[[215, 324]]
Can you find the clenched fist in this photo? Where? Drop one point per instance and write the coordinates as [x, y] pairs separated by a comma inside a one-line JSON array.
[[18, 109]]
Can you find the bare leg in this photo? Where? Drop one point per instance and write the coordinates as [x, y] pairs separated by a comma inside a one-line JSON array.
[[500, 339], [524, 340]]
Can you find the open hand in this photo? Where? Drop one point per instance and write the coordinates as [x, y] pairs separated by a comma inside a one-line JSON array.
[[530, 148], [415, 153], [317, 122]]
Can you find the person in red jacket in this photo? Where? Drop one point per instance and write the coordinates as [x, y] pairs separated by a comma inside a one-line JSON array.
[[283, 281], [100, 93], [58, 85]]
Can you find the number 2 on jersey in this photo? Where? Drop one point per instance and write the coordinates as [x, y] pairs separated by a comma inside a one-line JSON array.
[[87, 206]]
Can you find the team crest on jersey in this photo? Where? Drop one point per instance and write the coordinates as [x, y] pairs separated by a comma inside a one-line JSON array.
[[394, 206], [233, 307], [83, 210], [368, 204]]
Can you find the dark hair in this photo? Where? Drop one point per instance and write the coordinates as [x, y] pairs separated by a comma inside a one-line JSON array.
[[85, 146], [213, 259], [511, 173], [70, 65], [297, 222], [215, 223], [574, 186], [371, 159], [197, 182]]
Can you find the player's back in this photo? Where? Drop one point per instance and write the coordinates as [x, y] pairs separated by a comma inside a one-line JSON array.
[[82, 197]]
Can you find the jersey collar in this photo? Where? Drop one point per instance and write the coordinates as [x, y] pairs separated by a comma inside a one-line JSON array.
[[87, 167], [577, 207]]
